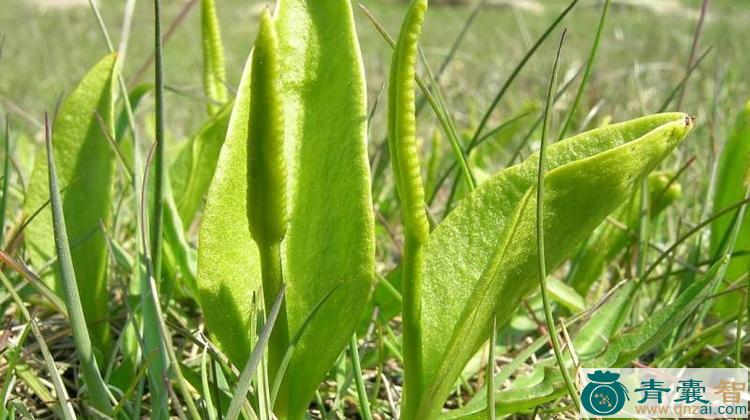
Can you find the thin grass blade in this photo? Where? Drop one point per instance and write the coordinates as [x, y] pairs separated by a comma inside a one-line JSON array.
[[89, 368], [248, 372]]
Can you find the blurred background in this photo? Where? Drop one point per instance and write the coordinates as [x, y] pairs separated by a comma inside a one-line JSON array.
[[49, 44]]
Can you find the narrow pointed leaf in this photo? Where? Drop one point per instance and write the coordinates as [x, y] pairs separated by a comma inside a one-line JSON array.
[[87, 362], [85, 166], [248, 371], [482, 258]]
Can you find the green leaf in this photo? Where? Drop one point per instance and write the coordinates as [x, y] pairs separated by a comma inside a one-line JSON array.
[[482, 258], [330, 238], [228, 261], [85, 167], [731, 184]]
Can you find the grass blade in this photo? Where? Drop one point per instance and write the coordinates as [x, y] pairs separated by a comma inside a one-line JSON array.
[[160, 174], [240, 394], [89, 190], [516, 71], [684, 80], [586, 72], [35, 282], [12, 357], [364, 402], [450, 124], [6, 177], [693, 47], [540, 234], [89, 368], [496, 100], [100, 21], [293, 344], [207, 391], [490, 375]]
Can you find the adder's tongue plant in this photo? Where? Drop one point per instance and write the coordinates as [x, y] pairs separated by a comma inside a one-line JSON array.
[[290, 203], [286, 249], [480, 261], [301, 104]]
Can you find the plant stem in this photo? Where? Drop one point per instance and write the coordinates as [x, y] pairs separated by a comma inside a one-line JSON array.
[[490, 381], [364, 402], [540, 236], [248, 372], [404, 155], [272, 277], [412, 325], [6, 177], [740, 327], [159, 161]]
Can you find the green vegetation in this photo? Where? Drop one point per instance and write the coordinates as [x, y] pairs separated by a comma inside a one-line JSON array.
[[200, 238]]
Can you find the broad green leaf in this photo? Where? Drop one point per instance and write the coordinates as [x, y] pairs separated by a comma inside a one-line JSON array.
[[214, 70], [482, 258], [228, 262], [731, 184], [192, 171], [85, 166], [329, 241], [609, 240]]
